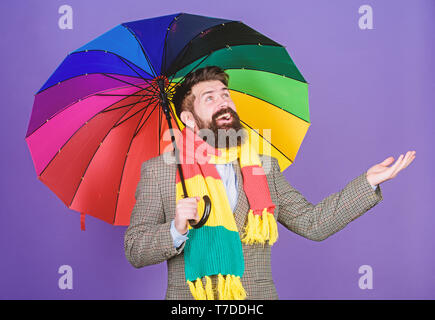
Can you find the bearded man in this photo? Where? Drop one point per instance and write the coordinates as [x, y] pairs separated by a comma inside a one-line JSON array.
[[229, 257]]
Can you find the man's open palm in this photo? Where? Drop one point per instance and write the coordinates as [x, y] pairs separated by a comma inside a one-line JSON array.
[[382, 172]]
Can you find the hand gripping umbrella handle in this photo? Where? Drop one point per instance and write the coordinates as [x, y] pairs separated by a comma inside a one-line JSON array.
[[207, 202], [205, 215]]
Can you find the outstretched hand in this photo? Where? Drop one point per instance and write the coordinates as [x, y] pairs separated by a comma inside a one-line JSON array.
[[382, 172]]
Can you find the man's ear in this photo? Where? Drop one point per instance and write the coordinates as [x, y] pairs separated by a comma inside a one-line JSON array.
[[187, 118]]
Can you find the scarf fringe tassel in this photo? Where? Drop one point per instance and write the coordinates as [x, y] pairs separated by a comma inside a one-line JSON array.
[[228, 288], [260, 228]]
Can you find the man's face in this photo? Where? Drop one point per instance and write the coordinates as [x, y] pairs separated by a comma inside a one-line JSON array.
[[214, 110]]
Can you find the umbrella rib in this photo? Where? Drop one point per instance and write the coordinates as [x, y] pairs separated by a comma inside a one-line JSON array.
[[136, 133], [84, 172], [123, 167], [266, 140], [270, 104], [244, 68], [266, 71], [132, 84], [143, 50], [160, 126], [81, 99], [126, 105], [79, 75], [215, 26], [115, 54], [48, 164], [144, 108], [163, 62], [120, 95], [130, 94], [141, 77], [97, 151], [198, 34], [123, 60], [185, 50], [172, 86]]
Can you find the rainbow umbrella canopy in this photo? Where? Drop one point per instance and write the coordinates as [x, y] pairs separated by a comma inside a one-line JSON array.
[[99, 116]]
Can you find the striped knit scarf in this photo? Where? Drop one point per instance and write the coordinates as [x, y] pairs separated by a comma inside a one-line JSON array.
[[216, 248]]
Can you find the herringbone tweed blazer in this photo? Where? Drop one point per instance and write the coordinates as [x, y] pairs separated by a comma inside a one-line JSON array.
[[148, 240]]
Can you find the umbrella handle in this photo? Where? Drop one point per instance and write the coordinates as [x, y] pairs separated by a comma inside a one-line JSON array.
[[205, 215]]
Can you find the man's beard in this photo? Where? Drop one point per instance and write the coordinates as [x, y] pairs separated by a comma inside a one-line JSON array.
[[222, 136]]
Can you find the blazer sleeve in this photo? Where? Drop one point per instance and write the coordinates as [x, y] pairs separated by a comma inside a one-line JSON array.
[[318, 222], [148, 239]]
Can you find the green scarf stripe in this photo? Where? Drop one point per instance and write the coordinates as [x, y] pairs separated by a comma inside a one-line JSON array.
[[213, 250]]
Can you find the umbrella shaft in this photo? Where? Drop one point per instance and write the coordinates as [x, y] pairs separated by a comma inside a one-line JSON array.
[[165, 105]]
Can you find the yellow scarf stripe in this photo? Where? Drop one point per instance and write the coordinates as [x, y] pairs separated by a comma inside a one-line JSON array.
[[260, 228], [229, 288], [250, 154], [221, 212]]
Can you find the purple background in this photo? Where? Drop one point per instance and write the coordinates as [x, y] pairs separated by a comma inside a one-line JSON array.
[[371, 96]]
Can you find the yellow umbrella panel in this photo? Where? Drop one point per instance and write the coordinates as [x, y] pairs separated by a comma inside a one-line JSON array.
[[273, 108]]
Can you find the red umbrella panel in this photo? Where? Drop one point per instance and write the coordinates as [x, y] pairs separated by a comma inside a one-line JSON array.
[[89, 153]]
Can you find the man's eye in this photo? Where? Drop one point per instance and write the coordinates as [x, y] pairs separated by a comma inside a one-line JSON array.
[[208, 98]]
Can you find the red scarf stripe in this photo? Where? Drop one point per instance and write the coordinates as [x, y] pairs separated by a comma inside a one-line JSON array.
[[257, 189]]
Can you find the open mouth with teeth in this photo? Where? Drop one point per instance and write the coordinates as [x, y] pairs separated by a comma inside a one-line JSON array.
[[226, 117]]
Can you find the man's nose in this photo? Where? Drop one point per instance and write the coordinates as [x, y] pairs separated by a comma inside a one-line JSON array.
[[222, 103]]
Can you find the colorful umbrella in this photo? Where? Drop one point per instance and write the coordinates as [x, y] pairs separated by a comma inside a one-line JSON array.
[[101, 114]]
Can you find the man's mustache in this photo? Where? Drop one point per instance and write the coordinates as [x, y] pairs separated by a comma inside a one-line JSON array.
[[223, 111]]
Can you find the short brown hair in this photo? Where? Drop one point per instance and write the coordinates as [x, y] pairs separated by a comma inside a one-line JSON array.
[[183, 98]]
